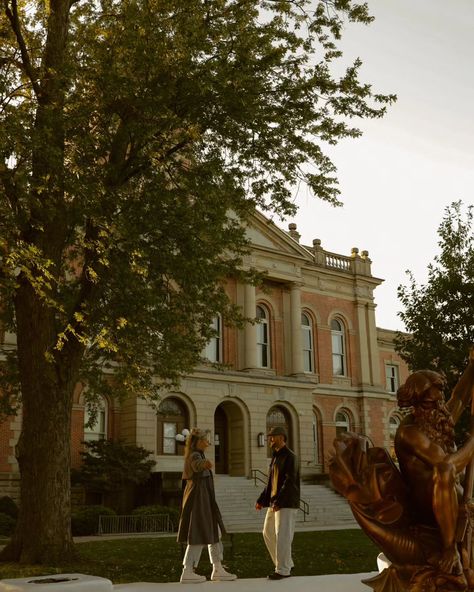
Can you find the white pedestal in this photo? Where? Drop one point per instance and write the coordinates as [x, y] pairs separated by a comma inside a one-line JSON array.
[[57, 583]]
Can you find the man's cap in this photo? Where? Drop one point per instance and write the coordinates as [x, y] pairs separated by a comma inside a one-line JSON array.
[[277, 431]]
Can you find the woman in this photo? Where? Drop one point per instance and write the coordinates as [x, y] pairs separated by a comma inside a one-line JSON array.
[[201, 521]]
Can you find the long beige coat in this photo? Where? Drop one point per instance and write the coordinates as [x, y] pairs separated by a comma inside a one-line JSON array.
[[200, 516]]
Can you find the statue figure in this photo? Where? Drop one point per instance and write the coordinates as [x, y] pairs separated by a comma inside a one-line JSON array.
[[420, 513]]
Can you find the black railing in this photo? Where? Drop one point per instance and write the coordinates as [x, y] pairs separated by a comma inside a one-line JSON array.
[[258, 475]]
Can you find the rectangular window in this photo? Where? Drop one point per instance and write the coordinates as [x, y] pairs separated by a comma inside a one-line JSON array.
[[337, 355], [98, 430], [391, 377], [169, 441], [262, 345], [307, 349], [212, 350]]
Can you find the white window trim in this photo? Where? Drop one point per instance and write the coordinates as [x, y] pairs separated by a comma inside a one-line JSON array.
[[396, 367], [342, 335], [93, 434], [261, 345], [308, 354], [213, 349]]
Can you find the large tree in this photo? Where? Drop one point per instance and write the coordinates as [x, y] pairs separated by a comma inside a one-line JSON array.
[[439, 315], [136, 138]]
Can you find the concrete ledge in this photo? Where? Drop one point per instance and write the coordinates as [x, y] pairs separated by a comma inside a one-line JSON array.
[[326, 583], [57, 583]]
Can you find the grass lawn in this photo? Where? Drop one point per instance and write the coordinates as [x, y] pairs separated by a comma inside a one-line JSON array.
[[159, 559]]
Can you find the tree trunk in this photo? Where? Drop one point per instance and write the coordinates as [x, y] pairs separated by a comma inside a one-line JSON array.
[[43, 532]]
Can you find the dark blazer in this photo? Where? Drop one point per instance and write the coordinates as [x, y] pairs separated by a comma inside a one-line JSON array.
[[284, 467]]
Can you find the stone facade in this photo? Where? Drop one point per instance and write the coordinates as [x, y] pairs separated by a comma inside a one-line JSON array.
[[343, 378]]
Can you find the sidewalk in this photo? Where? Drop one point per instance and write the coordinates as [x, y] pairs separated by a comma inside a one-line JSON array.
[[302, 527], [85, 583], [331, 583]]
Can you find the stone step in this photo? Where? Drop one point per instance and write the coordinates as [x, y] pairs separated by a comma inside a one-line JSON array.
[[236, 497]]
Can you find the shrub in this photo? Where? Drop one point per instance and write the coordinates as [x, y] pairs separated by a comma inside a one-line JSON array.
[[7, 524], [173, 513], [85, 521], [8, 506]]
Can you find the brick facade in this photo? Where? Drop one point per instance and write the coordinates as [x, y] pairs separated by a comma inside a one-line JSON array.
[[238, 402]]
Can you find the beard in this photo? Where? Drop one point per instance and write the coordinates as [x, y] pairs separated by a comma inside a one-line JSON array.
[[437, 424]]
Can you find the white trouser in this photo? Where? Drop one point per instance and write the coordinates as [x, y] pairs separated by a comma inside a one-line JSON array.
[[278, 531], [193, 554]]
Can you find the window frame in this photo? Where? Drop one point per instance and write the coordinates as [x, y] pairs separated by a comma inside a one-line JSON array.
[[307, 338], [263, 337], [339, 356], [342, 423], [92, 434], [213, 349], [394, 378], [179, 421]]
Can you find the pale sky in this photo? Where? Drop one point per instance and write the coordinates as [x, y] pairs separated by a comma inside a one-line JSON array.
[[397, 180]]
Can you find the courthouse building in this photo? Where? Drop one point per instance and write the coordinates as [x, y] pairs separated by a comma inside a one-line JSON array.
[[315, 363]]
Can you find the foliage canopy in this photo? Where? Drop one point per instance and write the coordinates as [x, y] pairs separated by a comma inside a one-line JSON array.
[[439, 315], [136, 139], [129, 130]]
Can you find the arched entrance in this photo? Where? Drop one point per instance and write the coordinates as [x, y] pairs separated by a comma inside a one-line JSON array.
[[279, 416], [229, 439]]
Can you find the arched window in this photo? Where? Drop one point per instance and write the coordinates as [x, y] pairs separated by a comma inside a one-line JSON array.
[[278, 416], [172, 419], [343, 423], [95, 421], [307, 340], [213, 349], [338, 348], [263, 338]]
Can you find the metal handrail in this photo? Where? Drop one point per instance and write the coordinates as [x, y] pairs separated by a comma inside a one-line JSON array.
[[304, 506], [128, 524]]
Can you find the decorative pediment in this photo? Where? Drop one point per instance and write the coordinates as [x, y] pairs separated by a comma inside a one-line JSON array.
[[265, 235]]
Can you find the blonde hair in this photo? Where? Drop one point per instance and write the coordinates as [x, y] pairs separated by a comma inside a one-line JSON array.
[[195, 435]]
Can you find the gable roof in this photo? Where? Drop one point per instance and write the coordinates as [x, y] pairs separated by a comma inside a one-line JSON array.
[[265, 235]]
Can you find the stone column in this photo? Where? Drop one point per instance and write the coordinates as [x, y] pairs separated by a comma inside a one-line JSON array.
[[250, 331], [373, 347], [363, 344], [296, 341]]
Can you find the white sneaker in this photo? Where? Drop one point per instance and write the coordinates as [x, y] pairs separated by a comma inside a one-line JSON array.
[[219, 574], [189, 576]]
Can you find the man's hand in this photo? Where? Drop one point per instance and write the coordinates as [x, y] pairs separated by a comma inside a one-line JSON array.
[[275, 508], [258, 506], [208, 464]]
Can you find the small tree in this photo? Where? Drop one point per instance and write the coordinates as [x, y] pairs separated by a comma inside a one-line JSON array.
[[439, 316], [111, 468]]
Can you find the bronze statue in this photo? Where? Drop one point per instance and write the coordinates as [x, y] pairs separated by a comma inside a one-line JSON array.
[[418, 514]]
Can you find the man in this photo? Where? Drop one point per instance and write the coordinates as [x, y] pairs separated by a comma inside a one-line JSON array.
[[282, 498], [429, 461]]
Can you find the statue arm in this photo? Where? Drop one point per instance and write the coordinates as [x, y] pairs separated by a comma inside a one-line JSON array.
[[463, 391], [415, 443], [418, 444]]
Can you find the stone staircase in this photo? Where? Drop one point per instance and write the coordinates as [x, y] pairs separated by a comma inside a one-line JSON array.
[[236, 497]]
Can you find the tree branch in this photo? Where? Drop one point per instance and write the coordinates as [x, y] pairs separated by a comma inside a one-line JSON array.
[[14, 19]]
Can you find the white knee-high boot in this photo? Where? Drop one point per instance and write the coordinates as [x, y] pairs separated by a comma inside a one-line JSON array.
[[219, 574], [191, 558]]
